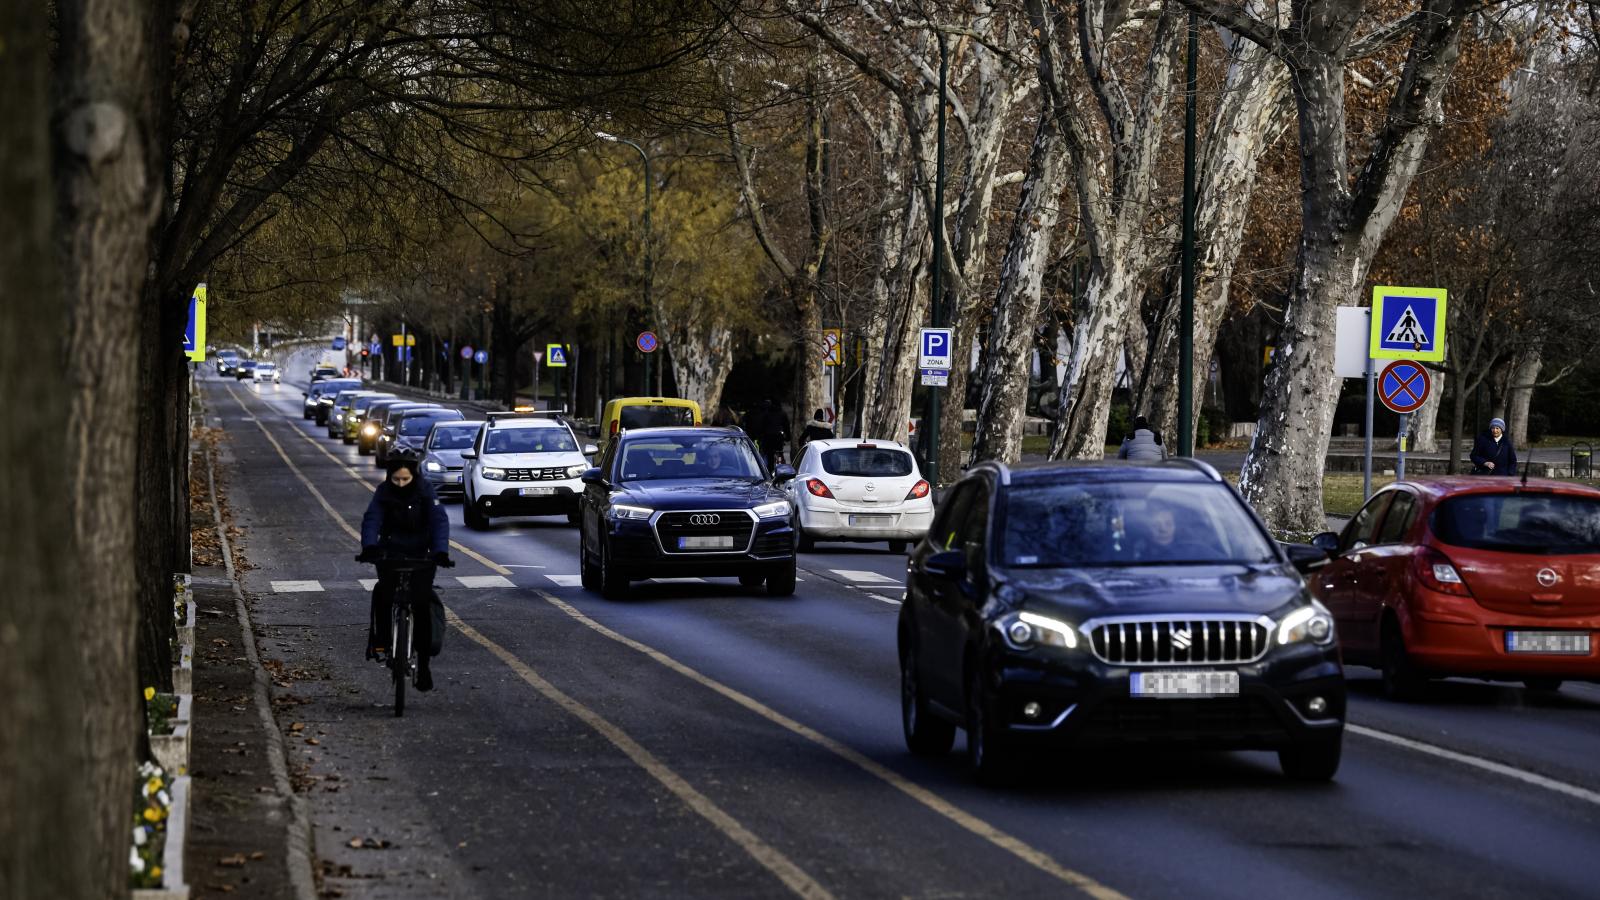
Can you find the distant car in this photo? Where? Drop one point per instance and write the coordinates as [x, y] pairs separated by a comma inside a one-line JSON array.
[[441, 461], [860, 490], [356, 415], [226, 361], [685, 502], [319, 397], [523, 464], [245, 369], [320, 372], [266, 371], [1480, 577], [622, 413], [371, 432], [407, 429], [1111, 604]]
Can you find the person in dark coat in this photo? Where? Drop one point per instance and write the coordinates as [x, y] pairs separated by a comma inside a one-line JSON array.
[[1492, 453], [405, 519], [818, 429], [768, 424], [1143, 444]]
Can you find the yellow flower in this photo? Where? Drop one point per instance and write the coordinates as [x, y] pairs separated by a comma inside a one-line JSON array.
[[149, 693], [151, 814], [155, 872]]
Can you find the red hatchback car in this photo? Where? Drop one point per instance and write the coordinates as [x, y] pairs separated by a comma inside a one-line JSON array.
[[1479, 577]]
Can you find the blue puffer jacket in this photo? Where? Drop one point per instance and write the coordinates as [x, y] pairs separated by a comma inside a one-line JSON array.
[[406, 520]]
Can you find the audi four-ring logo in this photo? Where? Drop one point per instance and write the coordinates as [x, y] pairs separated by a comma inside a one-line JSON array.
[[705, 519], [1548, 577]]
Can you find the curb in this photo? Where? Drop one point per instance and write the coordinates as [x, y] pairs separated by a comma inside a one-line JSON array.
[[299, 825]]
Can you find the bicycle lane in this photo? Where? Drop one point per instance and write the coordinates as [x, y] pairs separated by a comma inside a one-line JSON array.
[[497, 790], [870, 837]]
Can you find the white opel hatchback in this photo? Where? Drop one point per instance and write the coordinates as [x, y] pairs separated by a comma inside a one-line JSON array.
[[861, 491]]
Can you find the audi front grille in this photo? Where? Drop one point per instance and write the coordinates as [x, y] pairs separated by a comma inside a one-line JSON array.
[[1178, 642], [738, 524]]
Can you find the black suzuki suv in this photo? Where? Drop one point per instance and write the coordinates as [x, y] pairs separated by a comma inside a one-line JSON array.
[[675, 502], [1110, 603]]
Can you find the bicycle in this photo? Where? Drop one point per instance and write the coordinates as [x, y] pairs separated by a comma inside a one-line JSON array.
[[402, 661]]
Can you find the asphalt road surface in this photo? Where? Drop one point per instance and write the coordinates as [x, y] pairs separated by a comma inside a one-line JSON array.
[[702, 740]]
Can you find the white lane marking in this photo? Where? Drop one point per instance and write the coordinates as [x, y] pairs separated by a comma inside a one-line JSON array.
[[567, 580], [515, 566], [296, 587], [369, 584], [1478, 762], [863, 577], [881, 597], [678, 581], [484, 581]]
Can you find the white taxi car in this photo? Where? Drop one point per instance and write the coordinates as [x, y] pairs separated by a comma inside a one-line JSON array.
[[267, 371], [862, 491], [523, 464]]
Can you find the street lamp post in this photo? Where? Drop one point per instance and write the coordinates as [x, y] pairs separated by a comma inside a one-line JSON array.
[[649, 259], [930, 422]]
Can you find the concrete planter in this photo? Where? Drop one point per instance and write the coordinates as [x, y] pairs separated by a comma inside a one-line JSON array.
[[172, 750], [173, 886], [186, 629]]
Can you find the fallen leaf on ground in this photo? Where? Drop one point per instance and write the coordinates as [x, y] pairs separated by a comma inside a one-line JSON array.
[[233, 862]]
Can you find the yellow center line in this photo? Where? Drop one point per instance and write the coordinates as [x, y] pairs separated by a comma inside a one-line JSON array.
[[932, 801], [769, 857]]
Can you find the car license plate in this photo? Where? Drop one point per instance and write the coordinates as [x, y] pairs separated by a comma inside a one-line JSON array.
[[1183, 684], [1569, 642], [706, 542], [452, 478], [871, 520], [537, 491]]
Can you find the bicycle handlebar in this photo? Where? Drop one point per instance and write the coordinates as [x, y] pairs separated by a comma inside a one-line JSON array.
[[402, 559]]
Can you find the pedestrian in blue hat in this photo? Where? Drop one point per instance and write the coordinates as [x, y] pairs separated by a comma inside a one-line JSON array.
[[1492, 453]]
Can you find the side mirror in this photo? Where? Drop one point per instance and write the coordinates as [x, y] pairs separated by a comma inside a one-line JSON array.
[[304, 394], [1305, 557], [592, 476], [1327, 542], [946, 563], [469, 454], [782, 472], [590, 449], [594, 431]]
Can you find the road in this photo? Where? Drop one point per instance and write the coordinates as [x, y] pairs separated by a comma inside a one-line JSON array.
[[702, 740]]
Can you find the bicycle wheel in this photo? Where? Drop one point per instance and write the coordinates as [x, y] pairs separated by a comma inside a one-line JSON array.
[[400, 660]]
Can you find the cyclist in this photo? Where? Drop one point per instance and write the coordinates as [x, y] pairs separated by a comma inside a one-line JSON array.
[[404, 519]]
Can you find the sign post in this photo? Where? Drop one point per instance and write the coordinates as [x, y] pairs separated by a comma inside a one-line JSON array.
[[1403, 387], [647, 342]]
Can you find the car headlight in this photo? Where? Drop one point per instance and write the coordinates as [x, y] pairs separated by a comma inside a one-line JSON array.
[[774, 510], [1310, 623], [575, 471], [432, 466], [492, 473], [623, 511], [369, 429], [1027, 629]]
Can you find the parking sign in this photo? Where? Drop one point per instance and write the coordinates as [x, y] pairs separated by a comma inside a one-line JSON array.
[[938, 346]]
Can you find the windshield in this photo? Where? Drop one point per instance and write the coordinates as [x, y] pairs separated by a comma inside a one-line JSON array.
[[529, 440], [453, 437], [361, 404], [713, 456], [1520, 523], [414, 426], [1128, 524], [655, 416], [266, 365], [878, 462]]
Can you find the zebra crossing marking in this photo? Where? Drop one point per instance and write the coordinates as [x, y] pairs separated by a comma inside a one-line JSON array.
[[296, 587], [566, 580], [484, 581], [863, 577]]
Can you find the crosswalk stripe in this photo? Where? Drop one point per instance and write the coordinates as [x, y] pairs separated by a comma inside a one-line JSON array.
[[296, 587], [484, 581], [863, 577], [566, 580], [369, 584]]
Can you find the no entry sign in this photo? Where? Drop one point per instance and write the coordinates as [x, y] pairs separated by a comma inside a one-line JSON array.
[[1403, 385]]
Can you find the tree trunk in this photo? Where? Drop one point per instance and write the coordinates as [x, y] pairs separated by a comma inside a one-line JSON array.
[[1425, 421], [1096, 352], [1524, 376], [908, 307], [1003, 401]]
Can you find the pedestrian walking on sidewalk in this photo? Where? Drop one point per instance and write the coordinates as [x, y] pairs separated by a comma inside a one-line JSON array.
[[1492, 453], [1144, 444], [818, 429], [405, 519]]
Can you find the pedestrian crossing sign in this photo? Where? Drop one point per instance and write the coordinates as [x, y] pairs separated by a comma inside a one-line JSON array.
[[1408, 323], [555, 355]]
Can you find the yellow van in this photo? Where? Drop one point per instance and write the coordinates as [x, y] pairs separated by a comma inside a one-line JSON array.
[[644, 412]]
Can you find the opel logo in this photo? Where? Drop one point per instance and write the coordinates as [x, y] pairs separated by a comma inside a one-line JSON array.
[[1182, 638], [1548, 577], [871, 486], [705, 519]]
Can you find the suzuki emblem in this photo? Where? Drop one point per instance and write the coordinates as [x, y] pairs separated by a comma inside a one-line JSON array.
[[1182, 638], [1548, 577]]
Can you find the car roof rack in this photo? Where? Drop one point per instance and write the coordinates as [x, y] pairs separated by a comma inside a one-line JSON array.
[[493, 418]]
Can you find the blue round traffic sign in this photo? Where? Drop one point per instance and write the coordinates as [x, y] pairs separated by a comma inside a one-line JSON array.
[[1403, 386], [647, 342], [482, 356], [466, 352]]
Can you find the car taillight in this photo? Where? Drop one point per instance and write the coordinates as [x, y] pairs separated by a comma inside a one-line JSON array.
[[818, 489], [918, 491], [1436, 573], [614, 426]]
